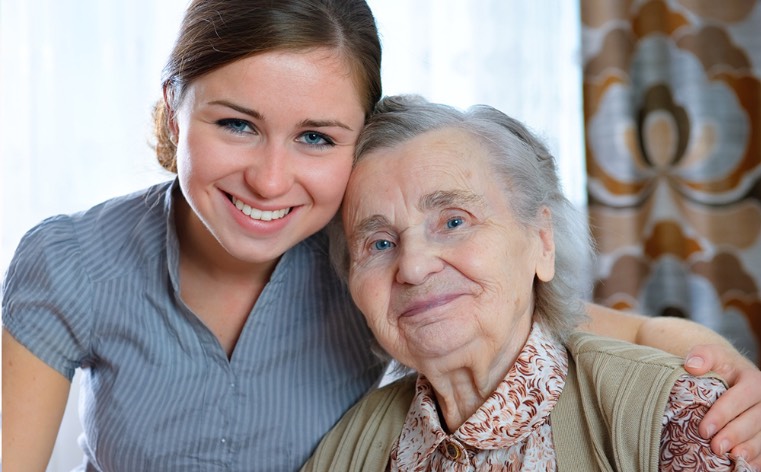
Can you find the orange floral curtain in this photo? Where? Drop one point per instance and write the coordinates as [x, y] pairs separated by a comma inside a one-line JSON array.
[[672, 112]]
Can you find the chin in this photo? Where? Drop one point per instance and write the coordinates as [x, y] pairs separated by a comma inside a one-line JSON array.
[[255, 254], [431, 349]]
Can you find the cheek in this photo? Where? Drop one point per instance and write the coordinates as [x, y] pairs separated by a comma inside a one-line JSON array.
[[372, 300], [186, 168], [369, 296], [502, 271], [516, 270], [191, 152], [327, 182]]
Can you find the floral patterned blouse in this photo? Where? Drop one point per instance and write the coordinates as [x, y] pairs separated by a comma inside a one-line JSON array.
[[511, 431]]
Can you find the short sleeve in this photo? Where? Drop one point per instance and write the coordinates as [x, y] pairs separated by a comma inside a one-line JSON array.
[[682, 447], [47, 296]]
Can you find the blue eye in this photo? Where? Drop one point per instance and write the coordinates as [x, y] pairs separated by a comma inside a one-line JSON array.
[[455, 222], [382, 245], [235, 125], [313, 138]]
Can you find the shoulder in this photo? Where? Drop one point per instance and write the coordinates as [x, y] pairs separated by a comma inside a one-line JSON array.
[[624, 377], [383, 406], [363, 438], [398, 393], [67, 254], [621, 374], [117, 218], [51, 283], [620, 392], [587, 347], [108, 217], [98, 238]]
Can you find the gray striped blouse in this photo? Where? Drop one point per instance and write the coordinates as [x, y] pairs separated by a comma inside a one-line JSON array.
[[98, 290]]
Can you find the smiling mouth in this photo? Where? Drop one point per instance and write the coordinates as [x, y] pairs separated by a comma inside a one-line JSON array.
[[425, 305], [257, 214]]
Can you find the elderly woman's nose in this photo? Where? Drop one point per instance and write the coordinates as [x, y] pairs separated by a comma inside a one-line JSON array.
[[417, 260]]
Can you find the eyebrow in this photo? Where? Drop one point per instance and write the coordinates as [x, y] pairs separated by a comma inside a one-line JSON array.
[[304, 124], [368, 225], [447, 198], [430, 201], [246, 111]]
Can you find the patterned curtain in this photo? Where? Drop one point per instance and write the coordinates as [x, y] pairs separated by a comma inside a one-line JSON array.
[[672, 113]]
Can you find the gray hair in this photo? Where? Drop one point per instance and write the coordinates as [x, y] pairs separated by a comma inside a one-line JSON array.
[[531, 182]]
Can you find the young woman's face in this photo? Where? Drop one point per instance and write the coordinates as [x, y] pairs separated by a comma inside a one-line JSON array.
[[265, 147]]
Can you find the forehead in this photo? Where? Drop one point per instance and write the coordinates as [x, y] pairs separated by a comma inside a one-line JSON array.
[[443, 156], [320, 78], [442, 168]]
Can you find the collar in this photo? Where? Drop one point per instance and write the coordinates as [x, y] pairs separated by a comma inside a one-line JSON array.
[[520, 404]]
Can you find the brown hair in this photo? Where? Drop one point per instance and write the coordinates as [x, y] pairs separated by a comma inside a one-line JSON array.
[[215, 33]]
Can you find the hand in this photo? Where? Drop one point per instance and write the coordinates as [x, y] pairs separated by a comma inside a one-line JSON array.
[[734, 421]]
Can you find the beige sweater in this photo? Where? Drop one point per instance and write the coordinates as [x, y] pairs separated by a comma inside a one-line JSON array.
[[607, 418]]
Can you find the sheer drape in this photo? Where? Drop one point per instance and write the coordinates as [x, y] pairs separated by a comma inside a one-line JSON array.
[[520, 56], [78, 79], [672, 94]]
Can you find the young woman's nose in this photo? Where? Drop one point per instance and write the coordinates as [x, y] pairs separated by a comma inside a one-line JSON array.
[[270, 173], [417, 260]]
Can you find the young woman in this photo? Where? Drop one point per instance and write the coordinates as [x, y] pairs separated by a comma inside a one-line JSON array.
[[211, 329]]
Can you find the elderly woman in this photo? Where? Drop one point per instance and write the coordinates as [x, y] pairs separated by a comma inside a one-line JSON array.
[[468, 263]]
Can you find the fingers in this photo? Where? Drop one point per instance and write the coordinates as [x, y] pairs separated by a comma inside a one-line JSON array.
[[736, 419], [750, 451], [741, 434], [741, 399], [734, 422], [718, 358], [728, 407]]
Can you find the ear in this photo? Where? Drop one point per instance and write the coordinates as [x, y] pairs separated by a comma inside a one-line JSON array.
[[545, 263], [171, 123]]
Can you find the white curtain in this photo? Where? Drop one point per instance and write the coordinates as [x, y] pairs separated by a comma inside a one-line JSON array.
[[78, 79], [520, 56]]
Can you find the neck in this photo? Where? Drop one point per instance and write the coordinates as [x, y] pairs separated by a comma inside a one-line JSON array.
[[462, 382], [220, 289]]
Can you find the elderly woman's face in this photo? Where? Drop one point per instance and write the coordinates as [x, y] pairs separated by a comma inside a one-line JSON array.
[[439, 265]]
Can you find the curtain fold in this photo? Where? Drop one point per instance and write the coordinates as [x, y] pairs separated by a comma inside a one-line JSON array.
[[672, 115]]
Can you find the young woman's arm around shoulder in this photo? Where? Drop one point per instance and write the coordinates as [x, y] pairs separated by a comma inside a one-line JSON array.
[[704, 350]]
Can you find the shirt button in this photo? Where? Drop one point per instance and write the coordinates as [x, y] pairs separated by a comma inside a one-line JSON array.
[[453, 451], [223, 440]]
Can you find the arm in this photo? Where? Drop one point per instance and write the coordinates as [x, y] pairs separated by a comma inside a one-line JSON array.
[[736, 417], [674, 335], [34, 400]]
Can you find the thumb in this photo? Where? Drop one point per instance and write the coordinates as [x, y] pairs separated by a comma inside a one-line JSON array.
[[704, 358]]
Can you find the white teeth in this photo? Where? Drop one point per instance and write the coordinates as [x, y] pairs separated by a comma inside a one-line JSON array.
[[256, 214]]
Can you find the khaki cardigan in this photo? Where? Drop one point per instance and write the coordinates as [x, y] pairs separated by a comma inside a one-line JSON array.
[[608, 416]]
